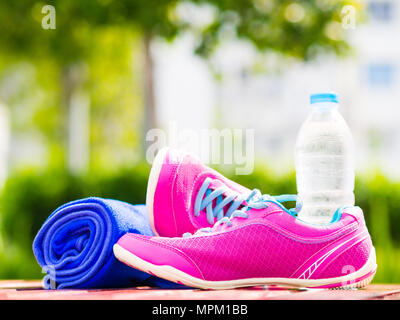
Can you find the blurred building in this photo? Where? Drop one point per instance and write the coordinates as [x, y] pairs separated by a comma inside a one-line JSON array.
[[275, 102]]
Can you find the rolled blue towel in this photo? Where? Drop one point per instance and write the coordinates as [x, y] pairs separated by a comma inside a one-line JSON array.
[[74, 245]]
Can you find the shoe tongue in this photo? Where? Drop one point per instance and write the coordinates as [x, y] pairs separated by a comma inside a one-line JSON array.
[[215, 184]]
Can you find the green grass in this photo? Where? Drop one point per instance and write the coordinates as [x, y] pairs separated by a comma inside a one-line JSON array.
[[388, 260]]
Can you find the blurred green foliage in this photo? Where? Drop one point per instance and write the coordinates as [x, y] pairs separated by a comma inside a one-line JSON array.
[[293, 28], [33, 93], [29, 196], [100, 40], [76, 23]]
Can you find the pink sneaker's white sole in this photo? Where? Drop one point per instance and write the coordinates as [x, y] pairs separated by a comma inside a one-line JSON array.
[[358, 279], [152, 184]]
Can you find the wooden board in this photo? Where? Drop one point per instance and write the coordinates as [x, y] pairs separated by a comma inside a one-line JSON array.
[[32, 290]]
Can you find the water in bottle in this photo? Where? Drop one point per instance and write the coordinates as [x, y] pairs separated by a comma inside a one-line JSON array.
[[324, 161]]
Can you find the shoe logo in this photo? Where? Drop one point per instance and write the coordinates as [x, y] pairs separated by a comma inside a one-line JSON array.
[[311, 269]]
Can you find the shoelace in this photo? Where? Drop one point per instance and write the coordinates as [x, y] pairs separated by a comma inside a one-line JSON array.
[[254, 201], [205, 200]]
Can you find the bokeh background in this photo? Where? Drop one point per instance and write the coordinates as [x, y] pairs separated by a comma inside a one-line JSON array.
[[77, 101]]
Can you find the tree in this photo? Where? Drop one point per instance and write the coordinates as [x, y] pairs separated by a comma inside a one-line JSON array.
[[293, 28]]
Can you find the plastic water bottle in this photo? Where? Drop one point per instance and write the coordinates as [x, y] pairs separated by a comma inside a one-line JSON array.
[[324, 161]]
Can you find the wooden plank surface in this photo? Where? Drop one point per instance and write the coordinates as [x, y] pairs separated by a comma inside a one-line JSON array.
[[32, 290]]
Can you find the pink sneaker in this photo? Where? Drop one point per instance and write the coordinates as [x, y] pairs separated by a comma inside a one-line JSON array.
[[262, 244], [189, 194]]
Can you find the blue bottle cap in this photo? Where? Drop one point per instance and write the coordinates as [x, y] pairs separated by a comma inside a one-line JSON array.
[[324, 97]]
